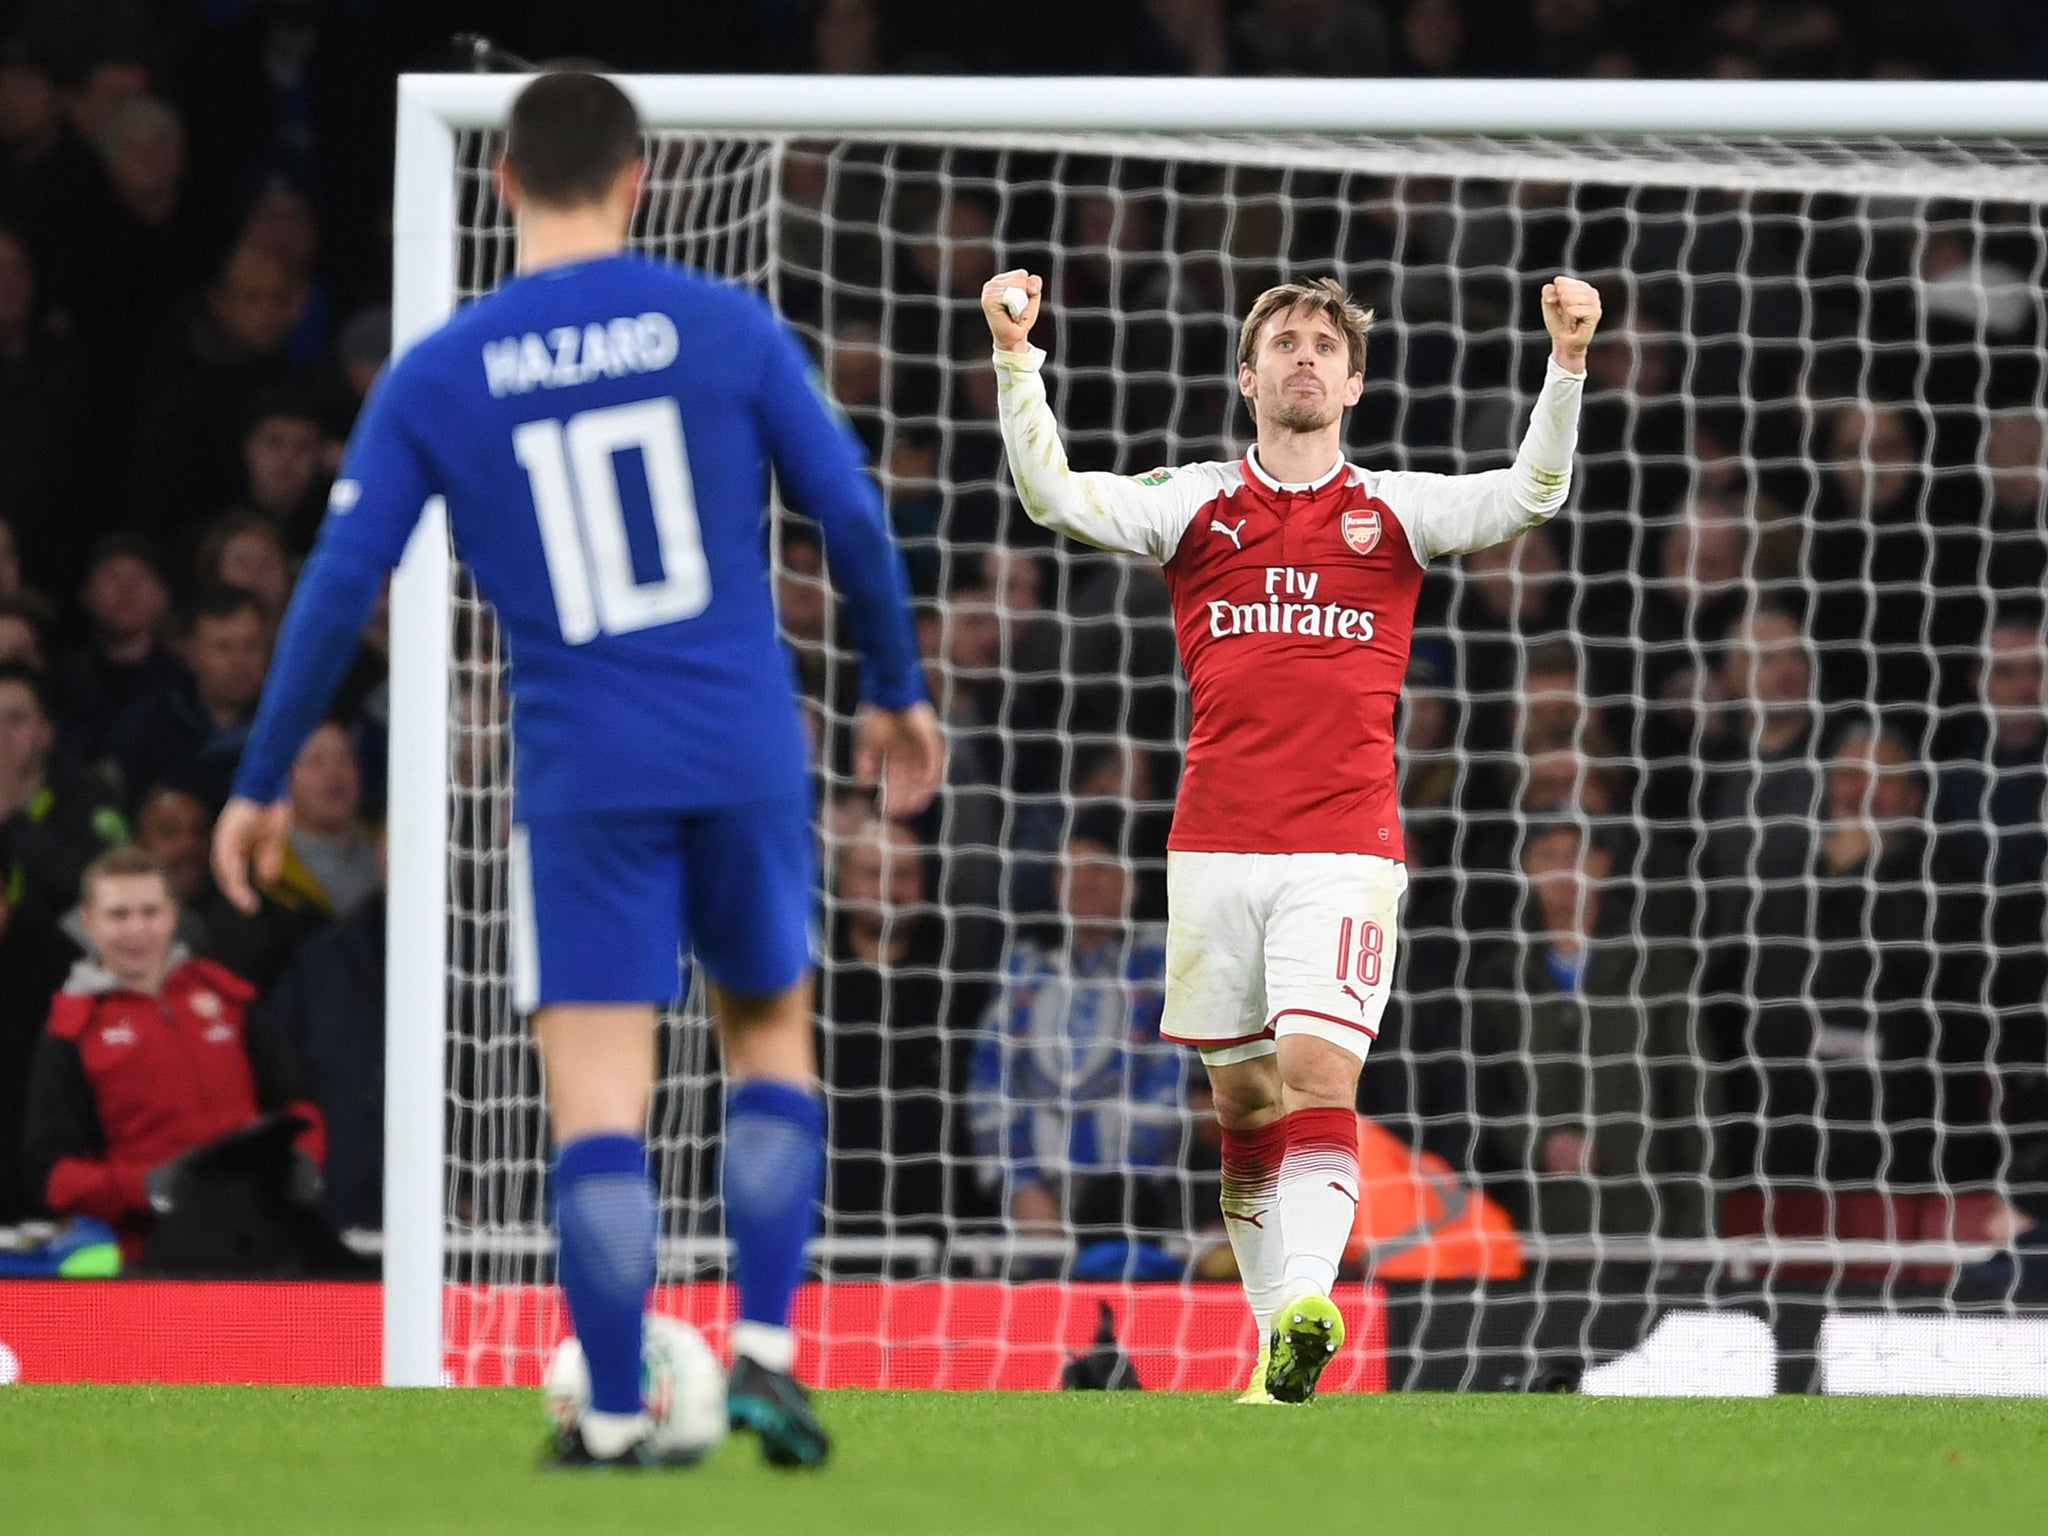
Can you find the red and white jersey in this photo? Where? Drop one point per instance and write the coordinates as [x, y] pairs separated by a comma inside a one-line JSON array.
[[1294, 608]]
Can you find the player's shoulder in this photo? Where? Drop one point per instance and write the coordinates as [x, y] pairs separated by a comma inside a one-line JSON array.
[[1407, 493], [704, 297], [1386, 484], [627, 283], [439, 351], [1370, 479], [625, 314], [1195, 483], [731, 327]]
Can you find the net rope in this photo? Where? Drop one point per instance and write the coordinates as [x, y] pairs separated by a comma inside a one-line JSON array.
[[1807, 526]]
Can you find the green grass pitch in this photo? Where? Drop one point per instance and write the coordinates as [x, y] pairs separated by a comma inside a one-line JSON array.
[[223, 1461]]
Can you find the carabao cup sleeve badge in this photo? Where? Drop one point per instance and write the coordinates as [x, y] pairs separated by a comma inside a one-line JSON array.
[[1361, 529]]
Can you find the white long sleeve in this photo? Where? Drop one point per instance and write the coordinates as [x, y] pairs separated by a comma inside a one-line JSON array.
[[1134, 515], [1455, 514]]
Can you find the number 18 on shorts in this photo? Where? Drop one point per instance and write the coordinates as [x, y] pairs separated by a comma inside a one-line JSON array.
[[1260, 945]]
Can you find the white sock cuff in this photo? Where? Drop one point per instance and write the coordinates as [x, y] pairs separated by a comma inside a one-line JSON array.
[[1307, 1272], [607, 1434], [765, 1345]]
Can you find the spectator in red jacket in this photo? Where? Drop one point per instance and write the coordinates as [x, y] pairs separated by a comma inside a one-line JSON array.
[[146, 1057]]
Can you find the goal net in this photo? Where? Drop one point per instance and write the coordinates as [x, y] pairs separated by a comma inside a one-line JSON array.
[[1720, 978]]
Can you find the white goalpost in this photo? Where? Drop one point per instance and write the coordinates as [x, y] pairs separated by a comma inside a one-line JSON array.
[[1819, 291]]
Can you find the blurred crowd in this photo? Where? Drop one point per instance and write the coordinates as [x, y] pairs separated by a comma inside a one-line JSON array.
[[1737, 39], [1725, 794]]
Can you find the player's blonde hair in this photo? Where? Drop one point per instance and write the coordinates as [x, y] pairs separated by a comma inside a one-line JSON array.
[[1324, 296]]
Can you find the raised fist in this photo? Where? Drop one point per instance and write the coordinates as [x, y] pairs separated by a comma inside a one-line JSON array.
[[1571, 309], [1012, 334]]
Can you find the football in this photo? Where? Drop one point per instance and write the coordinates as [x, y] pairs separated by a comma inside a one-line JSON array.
[[681, 1382]]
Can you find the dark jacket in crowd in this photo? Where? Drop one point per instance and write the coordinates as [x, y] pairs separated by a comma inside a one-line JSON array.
[[1760, 816], [1849, 1009], [93, 693], [46, 844], [45, 468], [193, 399], [328, 1008], [167, 737], [1992, 806], [34, 957], [1613, 1058], [892, 1057]]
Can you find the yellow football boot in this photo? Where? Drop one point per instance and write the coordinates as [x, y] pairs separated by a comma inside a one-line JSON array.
[[1307, 1333]]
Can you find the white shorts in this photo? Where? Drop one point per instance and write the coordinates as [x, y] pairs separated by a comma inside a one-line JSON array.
[[1260, 945]]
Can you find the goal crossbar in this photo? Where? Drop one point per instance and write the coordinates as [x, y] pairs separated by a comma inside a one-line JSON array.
[[837, 105]]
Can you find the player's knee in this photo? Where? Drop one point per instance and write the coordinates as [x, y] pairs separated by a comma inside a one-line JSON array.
[[1316, 1073], [1247, 1113], [744, 1013], [597, 1105], [599, 1059], [766, 1036], [1246, 1090]]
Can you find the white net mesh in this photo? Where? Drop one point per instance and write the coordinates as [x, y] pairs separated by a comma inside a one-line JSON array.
[[1771, 686]]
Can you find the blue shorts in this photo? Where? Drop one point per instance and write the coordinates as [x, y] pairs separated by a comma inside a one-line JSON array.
[[605, 907]]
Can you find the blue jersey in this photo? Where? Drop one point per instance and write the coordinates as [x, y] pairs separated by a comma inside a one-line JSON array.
[[603, 434]]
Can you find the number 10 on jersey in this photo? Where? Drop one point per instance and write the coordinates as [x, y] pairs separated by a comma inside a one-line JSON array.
[[571, 466]]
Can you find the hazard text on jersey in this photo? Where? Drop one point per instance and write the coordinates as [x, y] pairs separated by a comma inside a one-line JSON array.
[[569, 354]]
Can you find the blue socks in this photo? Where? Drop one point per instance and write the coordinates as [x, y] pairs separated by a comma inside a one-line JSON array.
[[604, 1210], [774, 1173]]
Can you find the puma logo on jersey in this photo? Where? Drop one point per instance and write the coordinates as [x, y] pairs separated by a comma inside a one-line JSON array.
[[1235, 535]]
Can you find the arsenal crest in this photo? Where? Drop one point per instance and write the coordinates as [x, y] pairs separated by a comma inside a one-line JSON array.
[[1361, 529]]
